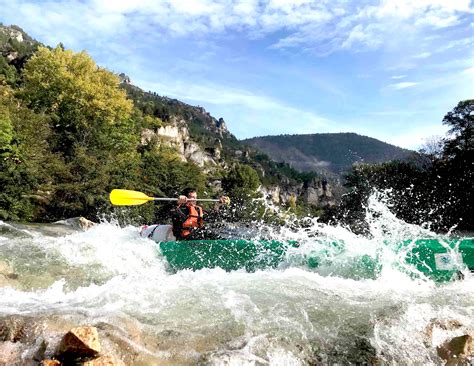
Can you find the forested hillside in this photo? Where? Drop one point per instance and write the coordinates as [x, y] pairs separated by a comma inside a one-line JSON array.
[[72, 131], [327, 152]]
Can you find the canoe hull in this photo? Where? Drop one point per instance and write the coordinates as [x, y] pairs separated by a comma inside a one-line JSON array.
[[229, 255], [439, 260]]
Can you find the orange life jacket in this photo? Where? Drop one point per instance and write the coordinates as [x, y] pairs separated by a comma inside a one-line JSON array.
[[194, 220]]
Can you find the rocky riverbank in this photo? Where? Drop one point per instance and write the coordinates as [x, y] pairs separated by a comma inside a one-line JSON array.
[[52, 340]]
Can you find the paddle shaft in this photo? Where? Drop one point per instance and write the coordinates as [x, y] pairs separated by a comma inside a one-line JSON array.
[[175, 199], [125, 197]]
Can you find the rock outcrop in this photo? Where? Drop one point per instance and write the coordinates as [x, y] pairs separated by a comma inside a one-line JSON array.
[[458, 350], [124, 79], [104, 360], [8, 277], [50, 363], [317, 192], [10, 353], [80, 342], [14, 34], [78, 223], [54, 340], [176, 135]]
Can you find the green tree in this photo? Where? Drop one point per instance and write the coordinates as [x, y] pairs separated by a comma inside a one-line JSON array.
[[88, 107], [241, 184], [461, 123], [438, 192], [6, 130], [7, 71], [25, 159], [92, 124], [456, 167], [242, 179]]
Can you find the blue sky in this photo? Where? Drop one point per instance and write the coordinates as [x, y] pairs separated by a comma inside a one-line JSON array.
[[388, 69]]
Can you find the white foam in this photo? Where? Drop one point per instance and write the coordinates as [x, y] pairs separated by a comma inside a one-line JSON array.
[[248, 317]]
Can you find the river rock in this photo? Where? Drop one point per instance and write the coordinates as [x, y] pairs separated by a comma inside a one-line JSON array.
[[12, 329], [77, 223], [7, 275], [5, 268], [50, 363], [104, 360], [445, 325], [10, 353], [80, 342], [457, 350]]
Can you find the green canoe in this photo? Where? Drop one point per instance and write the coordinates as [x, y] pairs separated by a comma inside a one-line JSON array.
[[440, 260]]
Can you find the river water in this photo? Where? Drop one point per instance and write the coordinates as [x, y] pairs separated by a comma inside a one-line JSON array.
[[111, 278]]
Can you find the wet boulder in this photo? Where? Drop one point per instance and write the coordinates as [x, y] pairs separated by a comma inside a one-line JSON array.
[[79, 342], [7, 276], [10, 353], [104, 360], [78, 223], [457, 350], [50, 363], [12, 329]]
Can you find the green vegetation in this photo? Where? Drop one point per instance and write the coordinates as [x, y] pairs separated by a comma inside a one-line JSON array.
[[328, 153], [26, 162], [434, 189], [276, 172], [17, 51], [69, 135]]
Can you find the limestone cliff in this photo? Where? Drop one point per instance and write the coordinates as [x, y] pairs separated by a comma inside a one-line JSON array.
[[176, 135], [317, 192]]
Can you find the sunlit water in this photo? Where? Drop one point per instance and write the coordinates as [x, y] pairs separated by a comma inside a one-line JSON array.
[[111, 278]]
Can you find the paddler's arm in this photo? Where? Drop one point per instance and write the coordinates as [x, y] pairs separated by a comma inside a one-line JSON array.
[[217, 213]]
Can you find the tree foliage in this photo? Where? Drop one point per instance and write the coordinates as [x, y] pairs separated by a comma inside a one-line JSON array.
[[25, 158], [438, 194], [461, 123], [241, 183], [88, 107]]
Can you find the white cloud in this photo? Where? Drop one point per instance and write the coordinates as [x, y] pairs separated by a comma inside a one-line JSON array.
[[266, 115], [469, 71], [422, 55], [414, 138], [396, 77], [216, 94], [402, 85], [320, 25]]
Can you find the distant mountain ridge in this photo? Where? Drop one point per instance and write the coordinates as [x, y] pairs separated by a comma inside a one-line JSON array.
[[327, 153]]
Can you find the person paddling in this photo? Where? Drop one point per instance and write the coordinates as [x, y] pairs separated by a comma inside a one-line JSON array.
[[188, 218]]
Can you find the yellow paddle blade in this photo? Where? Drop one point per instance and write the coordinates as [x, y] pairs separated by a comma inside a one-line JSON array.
[[124, 197]]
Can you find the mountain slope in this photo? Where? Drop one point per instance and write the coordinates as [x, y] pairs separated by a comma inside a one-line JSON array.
[[327, 152]]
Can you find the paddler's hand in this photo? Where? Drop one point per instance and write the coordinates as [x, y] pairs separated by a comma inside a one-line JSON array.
[[182, 200], [224, 200]]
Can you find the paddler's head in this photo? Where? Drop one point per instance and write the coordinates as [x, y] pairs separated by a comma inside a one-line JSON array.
[[191, 195]]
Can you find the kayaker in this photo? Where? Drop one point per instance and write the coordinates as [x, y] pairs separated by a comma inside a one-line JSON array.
[[188, 218]]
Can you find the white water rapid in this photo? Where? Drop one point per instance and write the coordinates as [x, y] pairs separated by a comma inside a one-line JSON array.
[[111, 278]]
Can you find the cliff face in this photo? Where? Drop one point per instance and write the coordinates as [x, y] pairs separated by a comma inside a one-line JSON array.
[[16, 45], [317, 192], [176, 135]]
